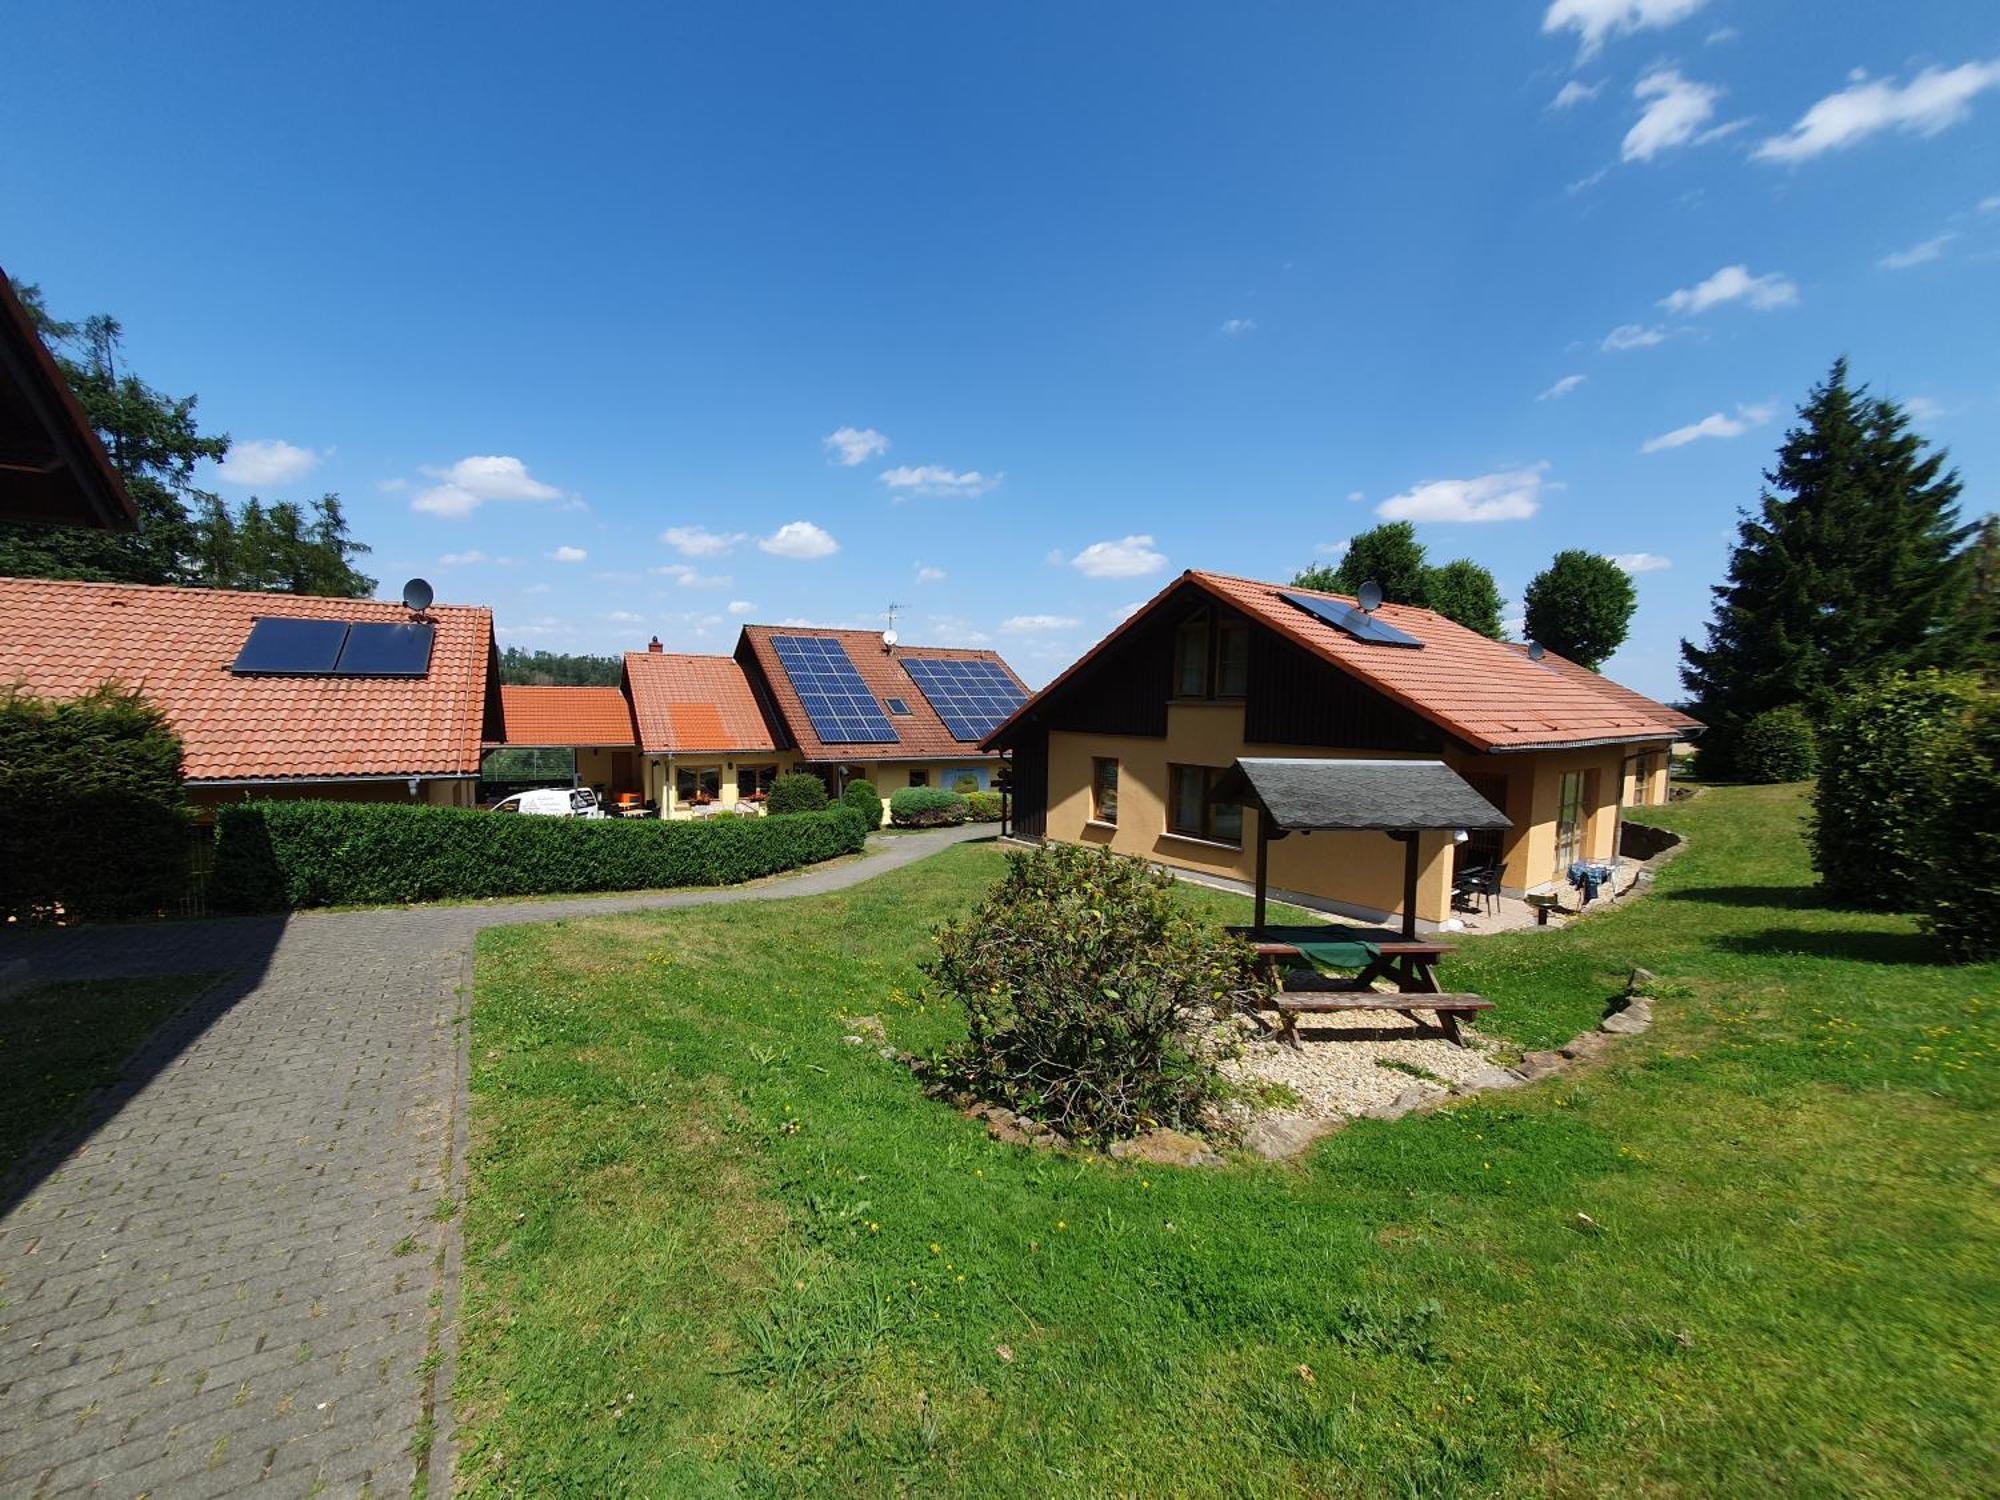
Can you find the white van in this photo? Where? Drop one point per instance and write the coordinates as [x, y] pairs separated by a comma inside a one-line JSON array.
[[553, 802]]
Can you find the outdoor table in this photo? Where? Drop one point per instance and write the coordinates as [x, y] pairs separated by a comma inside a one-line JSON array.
[[1377, 952]]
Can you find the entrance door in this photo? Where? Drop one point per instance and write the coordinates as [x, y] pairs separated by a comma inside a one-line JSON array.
[[1570, 813]]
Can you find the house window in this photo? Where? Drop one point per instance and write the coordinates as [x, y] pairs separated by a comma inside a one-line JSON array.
[[753, 781], [920, 778], [1103, 790], [897, 706], [1192, 815], [1212, 658], [1232, 659], [697, 783], [1191, 658]]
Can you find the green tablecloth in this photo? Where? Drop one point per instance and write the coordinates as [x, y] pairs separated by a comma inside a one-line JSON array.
[[1328, 947]]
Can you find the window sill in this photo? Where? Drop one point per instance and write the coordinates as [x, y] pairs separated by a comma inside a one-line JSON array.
[[1198, 841], [1100, 825]]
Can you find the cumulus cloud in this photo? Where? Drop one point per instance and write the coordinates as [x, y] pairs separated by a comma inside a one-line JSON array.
[[1511, 495], [935, 479], [1641, 562], [1561, 388], [848, 446], [1595, 20], [692, 578], [928, 574], [1235, 326], [1922, 253], [800, 540], [1733, 284], [1125, 612], [463, 559], [699, 541], [1933, 101], [265, 461], [1675, 110], [1332, 549], [740, 606], [1128, 557], [471, 482], [1038, 624], [955, 630], [624, 617], [1714, 425], [1574, 93], [1632, 336], [568, 555]]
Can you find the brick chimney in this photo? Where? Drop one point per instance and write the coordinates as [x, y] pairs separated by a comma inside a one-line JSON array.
[[654, 646]]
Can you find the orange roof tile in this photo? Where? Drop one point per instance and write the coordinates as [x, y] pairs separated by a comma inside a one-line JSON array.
[[1486, 693], [921, 734], [537, 715], [1617, 692], [175, 646], [685, 703]]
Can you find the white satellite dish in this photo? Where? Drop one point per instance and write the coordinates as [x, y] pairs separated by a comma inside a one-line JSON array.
[[888, 639], [417, 596], [1369, 596]]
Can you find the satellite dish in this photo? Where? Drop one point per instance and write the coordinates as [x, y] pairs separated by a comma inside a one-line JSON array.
[[1369, 596], [417, 595], [888, 639], [1536, 651]]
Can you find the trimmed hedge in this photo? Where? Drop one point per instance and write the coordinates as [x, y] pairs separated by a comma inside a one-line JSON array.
[[864, 799], [283, 855], [1778, 745], [796, 792], [927, 807], [94, 820], [1962, 907], [984, 807]]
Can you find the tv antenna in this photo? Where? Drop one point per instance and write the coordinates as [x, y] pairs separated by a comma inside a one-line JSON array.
[[889, 629]]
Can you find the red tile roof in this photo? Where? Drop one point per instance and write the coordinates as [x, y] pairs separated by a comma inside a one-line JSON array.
[[538, 715], [1484, 692], [175, 646], [689, 703], [1617, 692], [921, 734]]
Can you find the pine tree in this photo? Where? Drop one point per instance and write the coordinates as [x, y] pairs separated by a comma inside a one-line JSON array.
[[1853, 565]]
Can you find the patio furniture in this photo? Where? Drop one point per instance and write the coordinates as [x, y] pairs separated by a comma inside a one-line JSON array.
[[1543, 903], [1302, 997], [1477, 889]]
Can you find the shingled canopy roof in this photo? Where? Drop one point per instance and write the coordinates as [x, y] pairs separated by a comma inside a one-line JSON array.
[[1302, 795]]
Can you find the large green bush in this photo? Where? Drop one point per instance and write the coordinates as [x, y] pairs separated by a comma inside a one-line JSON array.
[[796, 792], [864, 799], [94, 820], [278, 855], [1093, 1001], [927, 807], [983, 807], [1872, 826], [1778, 745], [1961, 905]]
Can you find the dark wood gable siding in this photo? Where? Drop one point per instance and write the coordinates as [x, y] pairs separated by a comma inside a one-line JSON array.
[[1297, 698], [1125, 690]]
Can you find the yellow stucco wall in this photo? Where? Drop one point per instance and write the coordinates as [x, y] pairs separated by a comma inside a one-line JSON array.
[[888, 777]]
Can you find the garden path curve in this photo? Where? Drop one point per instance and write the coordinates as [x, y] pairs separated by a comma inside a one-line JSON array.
[[237, 1268]]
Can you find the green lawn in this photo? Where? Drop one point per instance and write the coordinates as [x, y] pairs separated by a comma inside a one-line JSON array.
[[714, 1250], [61, 1043]]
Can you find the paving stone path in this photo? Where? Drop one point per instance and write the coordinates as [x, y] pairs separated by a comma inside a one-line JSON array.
[[241, 1270]]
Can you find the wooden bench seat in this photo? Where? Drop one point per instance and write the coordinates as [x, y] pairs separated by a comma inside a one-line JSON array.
[[1311, 1000]]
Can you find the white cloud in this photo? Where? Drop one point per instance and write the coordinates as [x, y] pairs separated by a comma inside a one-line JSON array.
[[1511, 495], [1235, 326], [1641, 562], [1561, 388], [699, 541], [1633, 336], [1714, 425], [624, 617], [1675, 111], [463, 559], [1990, 205], [935, 479], [1733, 284], [1331, 549], [569, 555], [740, 606], [800, 540], [1128, 557], [392, 486], [1934, 100], [927, 574], [1594, 20], [1038, 624], [955, 630], [1918, 254], [1574, 93], [1720, 35], [472, 481], [1925, 408], [692, 578], [1356, 496], [536, 588], [263, 461], [848, 446], [1125, 612]]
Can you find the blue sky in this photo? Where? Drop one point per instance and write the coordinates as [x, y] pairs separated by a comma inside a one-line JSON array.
[[659, 321]]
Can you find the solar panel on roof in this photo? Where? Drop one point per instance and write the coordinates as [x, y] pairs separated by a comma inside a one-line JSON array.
[[378, 649], [1355, 622], [283, 644], [971, 694], [836, 700]]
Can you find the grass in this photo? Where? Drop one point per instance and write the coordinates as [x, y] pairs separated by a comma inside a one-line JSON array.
[[61, 1043], [714, 1250]]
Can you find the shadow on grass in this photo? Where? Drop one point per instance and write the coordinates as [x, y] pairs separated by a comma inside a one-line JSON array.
[[1779, 897], [1850, 947]]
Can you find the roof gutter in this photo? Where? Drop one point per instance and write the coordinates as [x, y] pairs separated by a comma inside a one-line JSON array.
[[200, 781]]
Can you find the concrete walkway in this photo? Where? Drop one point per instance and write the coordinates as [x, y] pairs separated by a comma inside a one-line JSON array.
[[241, 1268]]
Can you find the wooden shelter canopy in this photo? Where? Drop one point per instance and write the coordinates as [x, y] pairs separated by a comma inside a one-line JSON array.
[[1306, 795], [53, 469]]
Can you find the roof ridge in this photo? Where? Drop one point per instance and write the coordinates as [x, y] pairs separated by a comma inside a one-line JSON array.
[[193, 591]]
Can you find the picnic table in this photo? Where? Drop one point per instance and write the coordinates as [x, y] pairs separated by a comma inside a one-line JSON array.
[[1294, 957]]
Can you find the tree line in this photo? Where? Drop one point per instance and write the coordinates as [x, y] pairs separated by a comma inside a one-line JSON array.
[[557, 669], [186, 535]]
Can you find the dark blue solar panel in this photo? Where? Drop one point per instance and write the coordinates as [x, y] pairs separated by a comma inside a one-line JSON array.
[[836, 700], [971, 694], [281, 644], [1356, 622], [384, 650]]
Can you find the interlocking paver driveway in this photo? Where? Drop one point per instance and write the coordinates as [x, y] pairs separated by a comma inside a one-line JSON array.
[[239, 1271]]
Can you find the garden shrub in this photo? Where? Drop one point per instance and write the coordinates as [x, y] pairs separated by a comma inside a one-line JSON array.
[[1092, 999], [1871, 828], [281, 855], [1962, 902], [1778, 745], [94, 819], [796, 792], [864, 799], [927, 807], [983, 807]]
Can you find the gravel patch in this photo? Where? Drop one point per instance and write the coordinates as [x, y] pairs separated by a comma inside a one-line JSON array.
[[1338, 1073]]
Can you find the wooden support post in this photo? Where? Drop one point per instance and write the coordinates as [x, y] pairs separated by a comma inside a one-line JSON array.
[[1409, 883], [1263, 868]]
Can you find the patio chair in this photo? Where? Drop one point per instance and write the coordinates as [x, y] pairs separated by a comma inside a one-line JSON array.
[[1477, 889]]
